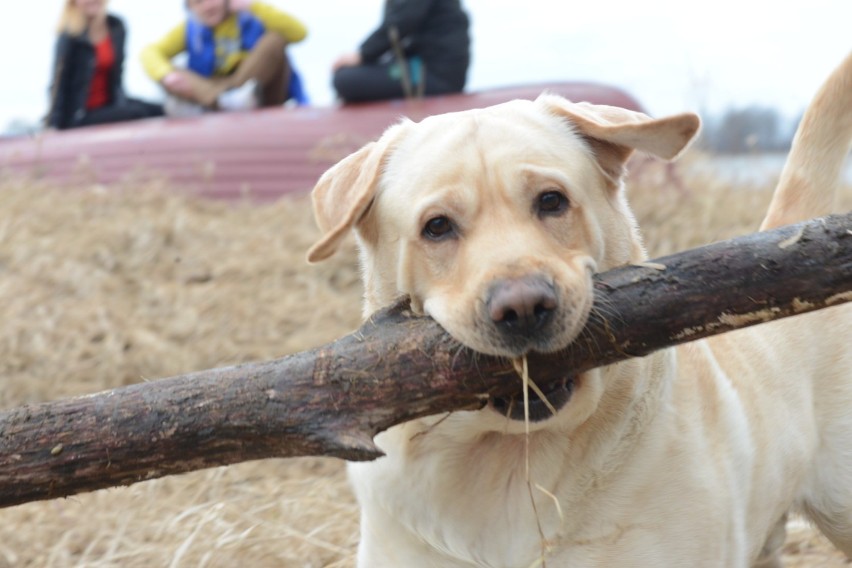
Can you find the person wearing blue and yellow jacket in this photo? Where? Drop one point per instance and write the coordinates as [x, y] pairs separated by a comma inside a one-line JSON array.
[[235, 56]]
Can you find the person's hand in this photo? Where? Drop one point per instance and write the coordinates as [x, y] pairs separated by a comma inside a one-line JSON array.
[[347, 60], [177, 84], [240, 5]]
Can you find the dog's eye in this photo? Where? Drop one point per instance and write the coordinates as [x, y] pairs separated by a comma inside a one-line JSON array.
[[551, 203], [438, 228]]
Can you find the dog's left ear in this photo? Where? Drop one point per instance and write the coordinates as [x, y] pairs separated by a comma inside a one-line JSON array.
[[344, 193], [614, 133]]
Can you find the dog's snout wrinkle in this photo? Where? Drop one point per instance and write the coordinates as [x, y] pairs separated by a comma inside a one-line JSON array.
[[521, 305]]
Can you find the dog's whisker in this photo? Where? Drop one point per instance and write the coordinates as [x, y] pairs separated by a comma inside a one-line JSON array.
[[588, 337], [606, 309]]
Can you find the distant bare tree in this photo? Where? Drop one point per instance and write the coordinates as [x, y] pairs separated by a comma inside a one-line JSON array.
[[751, 129]]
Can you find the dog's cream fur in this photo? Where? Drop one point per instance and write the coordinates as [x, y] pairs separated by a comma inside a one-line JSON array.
[[692, 456]]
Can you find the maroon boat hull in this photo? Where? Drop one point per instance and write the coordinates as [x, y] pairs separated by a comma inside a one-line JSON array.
[[261, 155]]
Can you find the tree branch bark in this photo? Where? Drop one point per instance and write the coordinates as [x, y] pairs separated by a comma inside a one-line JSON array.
[[333, 399]]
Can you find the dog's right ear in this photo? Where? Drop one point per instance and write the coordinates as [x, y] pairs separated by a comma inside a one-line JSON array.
[[344, 193]]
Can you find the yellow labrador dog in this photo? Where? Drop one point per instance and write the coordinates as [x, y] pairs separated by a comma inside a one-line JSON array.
[[493, 221]]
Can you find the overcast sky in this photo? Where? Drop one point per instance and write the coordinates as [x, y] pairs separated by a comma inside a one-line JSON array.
[[672, 56]]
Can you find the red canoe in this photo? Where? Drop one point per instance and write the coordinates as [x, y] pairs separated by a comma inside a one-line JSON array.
[[261, 154]]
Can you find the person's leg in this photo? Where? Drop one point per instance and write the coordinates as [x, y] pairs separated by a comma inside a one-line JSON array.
[[178, 107], [267, 64], [203, 90], [435, 85], [276, 90], [133, 110], [383, 82], [103, 115], [144, 109], [367, 83]]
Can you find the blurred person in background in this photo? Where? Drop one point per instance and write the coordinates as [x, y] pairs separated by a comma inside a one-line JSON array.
[[87, 83], [236, 58], [421, 47]]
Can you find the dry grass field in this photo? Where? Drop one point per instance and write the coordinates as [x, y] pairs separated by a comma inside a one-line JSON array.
[[105, 287]]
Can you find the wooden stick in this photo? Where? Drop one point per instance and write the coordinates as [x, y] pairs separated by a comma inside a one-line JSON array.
[[332, 400]]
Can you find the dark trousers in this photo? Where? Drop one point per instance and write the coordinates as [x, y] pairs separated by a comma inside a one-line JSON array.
[[130, 109], [384, 81]]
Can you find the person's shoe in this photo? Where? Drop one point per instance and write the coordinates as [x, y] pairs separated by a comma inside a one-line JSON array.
[[240, 98], [175, 107]]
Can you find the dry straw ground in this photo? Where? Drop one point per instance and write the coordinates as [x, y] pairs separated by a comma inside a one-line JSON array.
[[105, 287]]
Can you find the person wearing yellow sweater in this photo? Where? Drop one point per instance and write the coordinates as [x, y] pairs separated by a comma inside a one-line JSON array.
[[235, 57]]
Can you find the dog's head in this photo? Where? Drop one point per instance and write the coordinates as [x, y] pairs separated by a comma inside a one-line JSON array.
[[492, 221]]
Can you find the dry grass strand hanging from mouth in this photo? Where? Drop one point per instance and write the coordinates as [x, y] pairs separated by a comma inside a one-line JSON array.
[[522, 367]]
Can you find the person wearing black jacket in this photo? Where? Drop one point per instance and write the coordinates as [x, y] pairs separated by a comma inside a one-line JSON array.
[[86, 87], [422, 47]]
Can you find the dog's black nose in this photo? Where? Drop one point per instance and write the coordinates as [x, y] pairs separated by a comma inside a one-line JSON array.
[[521, 305]]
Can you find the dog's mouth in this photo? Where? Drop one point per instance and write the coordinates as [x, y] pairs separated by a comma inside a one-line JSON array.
[[513, 406]]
